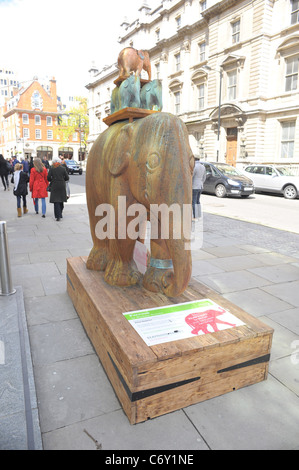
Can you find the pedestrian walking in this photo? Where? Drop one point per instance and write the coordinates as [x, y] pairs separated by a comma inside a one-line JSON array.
[[20, 188], [4, 172], [58, 176], [25, 164], [38, 185], [198, 179]]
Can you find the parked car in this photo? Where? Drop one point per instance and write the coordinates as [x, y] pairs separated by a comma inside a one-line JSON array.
[[224, 180], [274, 179], [73, 167]]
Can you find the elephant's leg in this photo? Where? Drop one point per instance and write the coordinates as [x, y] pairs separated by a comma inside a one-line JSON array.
[[159, 273], [121, 269], [98, 257]]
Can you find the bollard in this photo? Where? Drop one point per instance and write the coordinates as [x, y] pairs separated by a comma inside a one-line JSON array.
[[5, 275]]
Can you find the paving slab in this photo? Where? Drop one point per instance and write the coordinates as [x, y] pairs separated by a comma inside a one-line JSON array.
[[73, 390], [288, 291], [173, 431], [232, 281], [263, 416], [257, 302]]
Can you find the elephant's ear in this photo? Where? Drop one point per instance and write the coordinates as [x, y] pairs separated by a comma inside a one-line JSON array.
[[121, 155]]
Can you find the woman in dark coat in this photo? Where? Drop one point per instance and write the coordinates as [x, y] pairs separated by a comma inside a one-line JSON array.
[[58, 176], [20, 188], [4, 172]]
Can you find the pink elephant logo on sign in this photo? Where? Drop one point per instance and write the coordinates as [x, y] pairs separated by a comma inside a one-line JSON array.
[[200, 321]]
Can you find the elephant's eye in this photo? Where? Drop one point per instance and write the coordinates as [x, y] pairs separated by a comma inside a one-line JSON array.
[[153, 161], [192, 162]]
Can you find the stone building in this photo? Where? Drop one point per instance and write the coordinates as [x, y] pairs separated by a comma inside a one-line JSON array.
[[237, 56]]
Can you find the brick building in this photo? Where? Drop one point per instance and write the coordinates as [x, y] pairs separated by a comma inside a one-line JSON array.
[[29, 123]]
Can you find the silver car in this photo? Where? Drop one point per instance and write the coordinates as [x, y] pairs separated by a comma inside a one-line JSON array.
[[274, 179]]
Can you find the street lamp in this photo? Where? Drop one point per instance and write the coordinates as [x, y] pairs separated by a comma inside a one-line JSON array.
[[207, 67]]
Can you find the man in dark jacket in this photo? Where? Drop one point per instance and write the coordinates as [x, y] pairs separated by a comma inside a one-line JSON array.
[[4, 172], [58, 176], [198, 179]]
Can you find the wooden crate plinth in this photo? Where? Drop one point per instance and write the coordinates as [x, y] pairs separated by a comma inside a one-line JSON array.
[[152, 381]]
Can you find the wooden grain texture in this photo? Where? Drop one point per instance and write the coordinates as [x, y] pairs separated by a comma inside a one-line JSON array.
[[151, 381], [127, 113]]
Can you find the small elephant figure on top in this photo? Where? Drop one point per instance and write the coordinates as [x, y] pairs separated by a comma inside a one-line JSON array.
[[151, 95], [132, 60], [126, 95]]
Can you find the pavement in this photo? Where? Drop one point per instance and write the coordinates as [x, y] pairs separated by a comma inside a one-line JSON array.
[[54, 393]]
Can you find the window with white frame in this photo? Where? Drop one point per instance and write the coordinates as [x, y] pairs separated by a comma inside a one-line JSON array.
[[203, 5], [177, 102], [38, 134], [157, 68], [37, 120], [177, 62], [202, 51], [25, 118], [295, 11], [232, 85], [26, 132], [287, 139], [235, 32], [291, 73], [201, 96], [75, 137], [49, 134], [49, 121], [178, 21]]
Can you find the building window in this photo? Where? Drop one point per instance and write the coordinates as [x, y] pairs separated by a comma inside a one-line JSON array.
[[202, 51], [295, 11], [26, 133], [235, 32], [232, 85], [157, 33], [203, 5], [177, 59], [50, 135], [36, 100], [25, 118], [177, 102], [49, 121], [38, 134], [37, 120], [287, 139], [75, 137], [291, 74], [178, 21], [157, 67], [201, 96]]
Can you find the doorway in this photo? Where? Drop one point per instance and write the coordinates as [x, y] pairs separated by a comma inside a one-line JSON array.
[[231, 145]]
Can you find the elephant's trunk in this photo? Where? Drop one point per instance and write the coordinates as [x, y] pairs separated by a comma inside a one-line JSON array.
[[175, 282]]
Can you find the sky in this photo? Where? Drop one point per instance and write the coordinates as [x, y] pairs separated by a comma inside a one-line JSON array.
[[62, 38]]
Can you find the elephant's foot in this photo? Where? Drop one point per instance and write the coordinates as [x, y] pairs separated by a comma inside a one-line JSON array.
[[122, 274], [97, 259], [157, 280]]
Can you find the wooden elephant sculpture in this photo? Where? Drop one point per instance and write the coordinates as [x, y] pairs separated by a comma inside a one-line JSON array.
[[132, 60], [151, 95], [150, 162], [126, 95]]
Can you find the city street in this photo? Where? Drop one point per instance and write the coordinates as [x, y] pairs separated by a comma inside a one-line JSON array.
[[269, 210]]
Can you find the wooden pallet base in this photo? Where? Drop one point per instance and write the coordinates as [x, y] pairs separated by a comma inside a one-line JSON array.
[[152, 381]]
